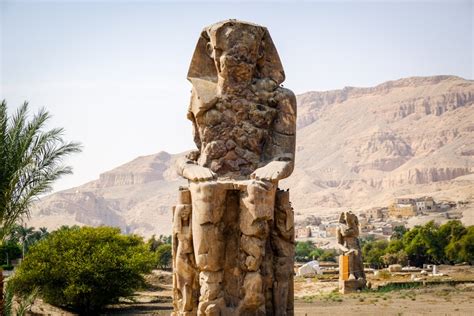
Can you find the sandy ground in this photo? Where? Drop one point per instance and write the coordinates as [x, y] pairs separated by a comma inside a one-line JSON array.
[[319, 296], [436, 300]]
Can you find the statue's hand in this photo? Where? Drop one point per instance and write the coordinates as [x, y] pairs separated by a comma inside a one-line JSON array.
[[273, 171], [190, 170], [197, 173]]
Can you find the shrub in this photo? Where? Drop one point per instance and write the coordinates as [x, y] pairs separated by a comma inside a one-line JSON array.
[[84, 269], [7, 267], [163, 256], [328, 255], [9, 251], [303, 250], [372, 252]]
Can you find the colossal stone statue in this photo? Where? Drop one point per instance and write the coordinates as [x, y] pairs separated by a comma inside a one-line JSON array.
[[233, 229], [351, 267]]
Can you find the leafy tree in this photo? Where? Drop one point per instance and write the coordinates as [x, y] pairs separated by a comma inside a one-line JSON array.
[[30, 161], [328, 255], [306, 251], [165, 239], [430, 243], [372, 252], [449, 235], [303, 250], [23, 235], [394, 246], [399, 257], [398, 232], [9, 251], [423, 245], [154, 243], [366, 240], [84, 269], [316, 253], [163, 256], [26, 236], [462, 250]]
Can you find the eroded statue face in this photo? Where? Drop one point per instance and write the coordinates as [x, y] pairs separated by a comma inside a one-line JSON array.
[[235, 51]]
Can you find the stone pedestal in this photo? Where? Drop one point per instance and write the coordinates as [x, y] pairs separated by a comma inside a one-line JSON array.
[[343, 267], [351, 286], [347, 282]]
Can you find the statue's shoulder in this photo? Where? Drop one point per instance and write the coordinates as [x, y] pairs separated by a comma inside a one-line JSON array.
[[204, 95]]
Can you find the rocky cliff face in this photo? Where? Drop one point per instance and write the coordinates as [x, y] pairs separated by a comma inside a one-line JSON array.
[[356, 148], [139, 171], [393, 139]]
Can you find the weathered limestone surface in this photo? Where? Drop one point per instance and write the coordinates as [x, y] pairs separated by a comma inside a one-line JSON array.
[[351, 267], [233, 229]]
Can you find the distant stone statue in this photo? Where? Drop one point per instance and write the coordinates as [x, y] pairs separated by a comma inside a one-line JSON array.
[[240, 224], [351, 266]]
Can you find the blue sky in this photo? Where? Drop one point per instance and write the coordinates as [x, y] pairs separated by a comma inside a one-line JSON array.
[[113, 73]]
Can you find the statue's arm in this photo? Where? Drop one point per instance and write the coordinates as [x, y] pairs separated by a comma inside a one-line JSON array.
[[340, 241], [283, 140]]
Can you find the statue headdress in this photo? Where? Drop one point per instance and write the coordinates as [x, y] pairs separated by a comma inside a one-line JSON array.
[[268, 64]]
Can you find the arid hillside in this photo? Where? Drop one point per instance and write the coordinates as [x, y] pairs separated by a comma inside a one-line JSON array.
[[356, 148]]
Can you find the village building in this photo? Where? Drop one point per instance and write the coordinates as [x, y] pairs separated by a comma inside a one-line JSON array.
[[401, 210], [425, 203], [318, 231], [331, 230], [404, 201], [375, 213], [303, 232], [408, 207], [387, 230]]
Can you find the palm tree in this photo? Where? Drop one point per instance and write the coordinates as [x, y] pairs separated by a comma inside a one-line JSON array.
[[43, 231], [24, 234], [30, 162]]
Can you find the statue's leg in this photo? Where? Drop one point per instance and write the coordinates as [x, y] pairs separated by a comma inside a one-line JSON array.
[[360, 265], [256, 211], [208, 200], [352, 266], [283, 247]]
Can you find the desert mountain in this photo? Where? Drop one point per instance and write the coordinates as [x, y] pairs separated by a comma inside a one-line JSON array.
[[356, 148]]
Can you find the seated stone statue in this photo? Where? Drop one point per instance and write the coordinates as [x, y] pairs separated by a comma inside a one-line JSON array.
[[348, 241], [244, 127]]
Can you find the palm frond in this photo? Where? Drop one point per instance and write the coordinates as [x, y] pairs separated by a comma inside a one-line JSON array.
[[31, 161]]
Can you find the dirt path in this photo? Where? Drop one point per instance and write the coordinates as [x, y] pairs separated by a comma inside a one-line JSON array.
[[436, 300], [316, 297]]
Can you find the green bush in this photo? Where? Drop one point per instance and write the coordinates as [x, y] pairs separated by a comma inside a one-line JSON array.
[[328, 255], [372, 252], [7, 267], [449, 243], [84, 269], [163, 256], [303, 250], [306, 251], [9, 251]]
